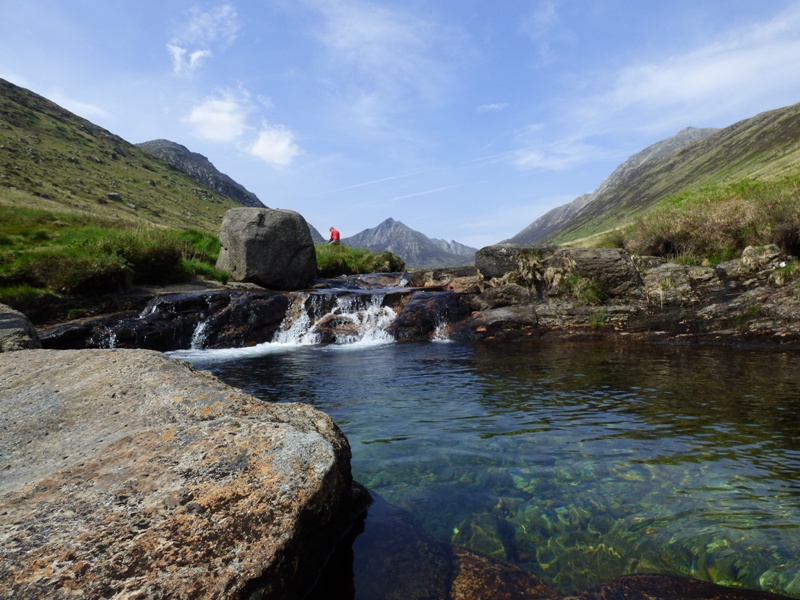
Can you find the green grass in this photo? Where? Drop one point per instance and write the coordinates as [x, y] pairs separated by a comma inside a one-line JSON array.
[[51, 257], [333, 261], [45, 254], [716, 222]]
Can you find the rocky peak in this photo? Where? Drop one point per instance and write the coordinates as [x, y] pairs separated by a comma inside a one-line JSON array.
[[199, 168], [416, 249]]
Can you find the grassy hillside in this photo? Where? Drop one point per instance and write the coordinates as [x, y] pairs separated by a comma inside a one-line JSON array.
[[85, 214], [54, 160], [765, 148]]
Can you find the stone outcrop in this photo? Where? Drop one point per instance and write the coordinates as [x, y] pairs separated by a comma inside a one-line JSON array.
[[16, 331], [271, 248], [127, 474], [598, 292]]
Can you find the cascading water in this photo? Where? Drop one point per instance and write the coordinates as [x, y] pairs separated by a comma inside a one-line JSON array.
[[199, 335], [339, 319], [334, 319]]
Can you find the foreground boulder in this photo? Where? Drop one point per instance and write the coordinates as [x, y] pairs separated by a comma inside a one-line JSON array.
[[271, 248], [16, 331], [127, 474]]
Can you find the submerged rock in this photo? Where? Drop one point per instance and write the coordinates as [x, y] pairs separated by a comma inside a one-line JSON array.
[[128, 474]]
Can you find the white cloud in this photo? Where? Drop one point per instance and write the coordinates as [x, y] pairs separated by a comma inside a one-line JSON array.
[[221, 119], [219, 25], [275, 145], [183, 60]]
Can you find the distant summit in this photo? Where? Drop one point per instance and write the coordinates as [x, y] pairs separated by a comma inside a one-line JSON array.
[[199, 168], [415, 248]]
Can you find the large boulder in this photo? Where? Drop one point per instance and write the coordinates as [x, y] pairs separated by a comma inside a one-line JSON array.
[[128, 474], [612, 269], [16, 331], [271, 248]]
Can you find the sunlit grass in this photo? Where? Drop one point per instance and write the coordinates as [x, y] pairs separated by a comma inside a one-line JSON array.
[[716, 223]]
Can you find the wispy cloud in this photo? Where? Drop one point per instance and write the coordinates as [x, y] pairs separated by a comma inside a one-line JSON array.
[[86, 110], [538, 26], [555, 156], [424, 192], [725, 76], [390, 61], [189, 49], [492, 107]]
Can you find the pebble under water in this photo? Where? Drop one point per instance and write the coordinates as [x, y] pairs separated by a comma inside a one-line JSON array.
[[579, 462]]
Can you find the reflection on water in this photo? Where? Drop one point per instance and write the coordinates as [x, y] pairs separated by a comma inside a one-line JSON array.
[[579, 462]]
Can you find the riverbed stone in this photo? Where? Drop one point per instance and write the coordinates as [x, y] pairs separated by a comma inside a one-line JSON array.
[[271, 248], [16, 331], [128, 474]]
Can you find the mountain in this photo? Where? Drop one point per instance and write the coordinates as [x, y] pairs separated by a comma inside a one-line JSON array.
[[556, 220], [54, 160], [199, 168], [416, 249]]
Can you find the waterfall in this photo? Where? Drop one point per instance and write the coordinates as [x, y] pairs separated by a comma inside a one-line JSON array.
[[199, 335], [336, 318], [110, 339]]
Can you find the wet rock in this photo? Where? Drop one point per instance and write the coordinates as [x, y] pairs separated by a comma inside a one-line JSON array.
[[271, 248], [127, 474], [665, 587], [247, 320], [171, 322], [16, 331], [476, 576], [425, 312]]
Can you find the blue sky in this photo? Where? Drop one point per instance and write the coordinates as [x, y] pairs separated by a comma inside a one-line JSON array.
[[464, 119]]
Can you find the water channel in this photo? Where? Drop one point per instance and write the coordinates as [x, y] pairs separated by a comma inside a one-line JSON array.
[[579, 462]]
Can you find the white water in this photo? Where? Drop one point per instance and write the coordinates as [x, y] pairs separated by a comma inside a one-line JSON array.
[[362, 319]]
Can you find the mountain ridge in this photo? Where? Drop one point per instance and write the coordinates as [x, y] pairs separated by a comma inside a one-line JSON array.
[[53, 159], [551, 222], [766, 147]]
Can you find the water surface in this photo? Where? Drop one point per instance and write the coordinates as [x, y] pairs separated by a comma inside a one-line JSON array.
[[579, 462]]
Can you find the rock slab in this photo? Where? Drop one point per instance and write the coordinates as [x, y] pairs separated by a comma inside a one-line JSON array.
[[271, 248], [128, 474]]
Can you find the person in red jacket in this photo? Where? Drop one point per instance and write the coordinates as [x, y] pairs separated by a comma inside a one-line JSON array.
[[334, 237]]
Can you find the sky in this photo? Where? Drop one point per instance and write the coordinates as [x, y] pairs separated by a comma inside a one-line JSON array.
[[464, 119]]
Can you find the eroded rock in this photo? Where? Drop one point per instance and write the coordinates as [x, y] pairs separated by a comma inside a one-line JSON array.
[[125, 473]]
